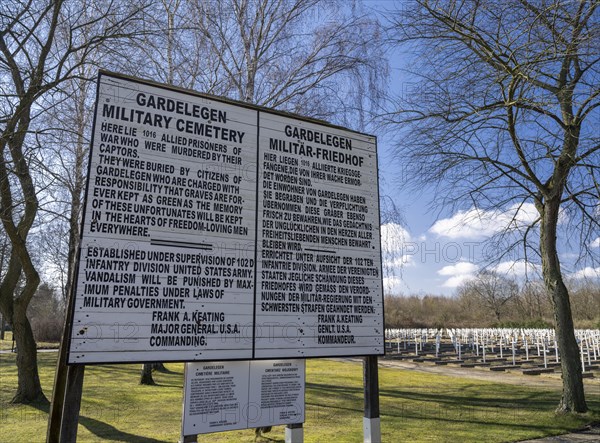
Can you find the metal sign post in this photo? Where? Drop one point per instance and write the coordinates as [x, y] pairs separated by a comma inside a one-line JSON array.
[[294, 433], [371, 420]]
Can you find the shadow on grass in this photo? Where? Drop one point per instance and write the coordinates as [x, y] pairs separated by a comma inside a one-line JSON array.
[[105, 431], [163, 385], [472, 405], [101, 429], [264, 438], [476, 396], [166, 371], [472, 395], [43, 406]]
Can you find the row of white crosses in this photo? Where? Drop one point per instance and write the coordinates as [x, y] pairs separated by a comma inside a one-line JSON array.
[[589, 346], [408, 339], [482, 341]]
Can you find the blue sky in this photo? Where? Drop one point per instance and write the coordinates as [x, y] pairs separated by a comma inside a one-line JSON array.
[[435, 251]]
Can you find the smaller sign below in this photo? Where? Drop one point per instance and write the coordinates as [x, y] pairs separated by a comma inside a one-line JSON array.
[[232, 395], [277, 386]]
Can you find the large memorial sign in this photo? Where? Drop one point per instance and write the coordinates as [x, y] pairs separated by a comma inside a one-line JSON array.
[[216, 231]]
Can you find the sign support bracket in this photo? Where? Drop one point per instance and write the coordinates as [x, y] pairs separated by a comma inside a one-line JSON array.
[[294, 433]]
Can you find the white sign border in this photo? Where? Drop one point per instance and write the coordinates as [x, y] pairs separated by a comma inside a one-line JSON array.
[[259, 109]]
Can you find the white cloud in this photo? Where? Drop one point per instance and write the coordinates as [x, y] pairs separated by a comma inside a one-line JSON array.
[[564, 256], [394, 239], [393, 236], [587, 272], [595, 243], [462, 267], [393, 285], [458, 273], [476, 223], [457, 280], [518, 269]]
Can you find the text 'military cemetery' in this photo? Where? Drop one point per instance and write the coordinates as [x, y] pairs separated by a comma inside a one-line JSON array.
[[219, 231]]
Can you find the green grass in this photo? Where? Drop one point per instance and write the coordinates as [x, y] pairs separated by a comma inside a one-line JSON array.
[[415, 407], [7, 343]]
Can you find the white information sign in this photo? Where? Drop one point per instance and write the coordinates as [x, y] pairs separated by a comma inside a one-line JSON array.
[[318, 269], [277, 386], [220, 231], [230, 395]]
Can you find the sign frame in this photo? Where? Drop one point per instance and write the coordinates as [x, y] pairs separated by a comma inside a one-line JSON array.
[[302, 121]]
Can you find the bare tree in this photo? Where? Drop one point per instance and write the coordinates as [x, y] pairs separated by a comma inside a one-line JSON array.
[[586, 302], [172, 51], [506, 113], [534, 302], [46, 314], [492, 291], [64, 163], [313, 57], [393, 243], [41, 46]]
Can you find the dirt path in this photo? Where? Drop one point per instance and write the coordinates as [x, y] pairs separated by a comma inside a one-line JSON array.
[[516, 377]]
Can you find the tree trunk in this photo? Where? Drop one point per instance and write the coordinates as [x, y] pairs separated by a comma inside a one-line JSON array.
[[573, 396], [159, 367], [146, 378], [29, 387]]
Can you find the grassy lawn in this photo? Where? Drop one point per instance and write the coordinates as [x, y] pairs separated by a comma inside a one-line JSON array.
[[7, 343], [415, 407]]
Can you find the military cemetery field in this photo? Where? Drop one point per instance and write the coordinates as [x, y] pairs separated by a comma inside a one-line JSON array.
[[415, 406]]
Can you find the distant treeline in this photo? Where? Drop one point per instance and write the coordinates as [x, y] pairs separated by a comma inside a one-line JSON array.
[[474, 306]]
